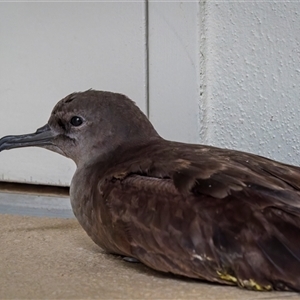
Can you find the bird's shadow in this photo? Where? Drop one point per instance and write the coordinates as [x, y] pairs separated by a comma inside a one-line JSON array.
[[139, 267]]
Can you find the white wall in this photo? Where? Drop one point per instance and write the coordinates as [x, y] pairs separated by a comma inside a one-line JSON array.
[[224, 73], [174, 69], [252, 61], [48, 50]]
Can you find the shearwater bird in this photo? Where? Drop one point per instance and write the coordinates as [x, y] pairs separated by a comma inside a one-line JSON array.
[[203, 212]]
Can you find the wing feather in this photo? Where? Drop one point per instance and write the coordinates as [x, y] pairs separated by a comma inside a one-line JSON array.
[[212, 214]]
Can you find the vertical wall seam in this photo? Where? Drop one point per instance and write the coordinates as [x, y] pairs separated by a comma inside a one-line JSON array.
[[147, 87], [202, 72]]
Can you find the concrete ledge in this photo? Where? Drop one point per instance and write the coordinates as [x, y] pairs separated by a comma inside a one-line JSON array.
[[35, 205]]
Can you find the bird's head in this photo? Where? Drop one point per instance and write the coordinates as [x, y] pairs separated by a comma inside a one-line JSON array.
[[88, 125]]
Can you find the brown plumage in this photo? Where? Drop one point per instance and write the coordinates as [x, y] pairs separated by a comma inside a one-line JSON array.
[[198, 211]]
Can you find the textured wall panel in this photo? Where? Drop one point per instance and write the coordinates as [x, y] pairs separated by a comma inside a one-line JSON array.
[[252, 57]]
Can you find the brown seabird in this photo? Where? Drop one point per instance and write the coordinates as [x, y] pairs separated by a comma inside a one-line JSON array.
[[203, 212]]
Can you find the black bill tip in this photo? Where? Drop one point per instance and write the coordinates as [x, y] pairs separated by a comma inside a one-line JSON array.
[[42, 137]]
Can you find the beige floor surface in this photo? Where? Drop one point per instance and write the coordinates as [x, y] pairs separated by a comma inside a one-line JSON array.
[[45, 258]]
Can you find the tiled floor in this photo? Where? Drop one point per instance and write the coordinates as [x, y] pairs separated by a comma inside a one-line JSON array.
[[53, 258]]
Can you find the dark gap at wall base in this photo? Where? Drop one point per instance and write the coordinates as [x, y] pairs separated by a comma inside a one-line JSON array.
[[39, 189]]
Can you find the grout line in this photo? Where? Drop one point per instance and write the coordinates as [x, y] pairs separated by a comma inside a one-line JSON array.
[[147, 57]]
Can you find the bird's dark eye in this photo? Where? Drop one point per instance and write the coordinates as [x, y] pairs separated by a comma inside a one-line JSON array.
[[76, 121]]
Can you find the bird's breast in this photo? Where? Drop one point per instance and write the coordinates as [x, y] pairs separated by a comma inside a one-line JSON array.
[[91, 209]]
